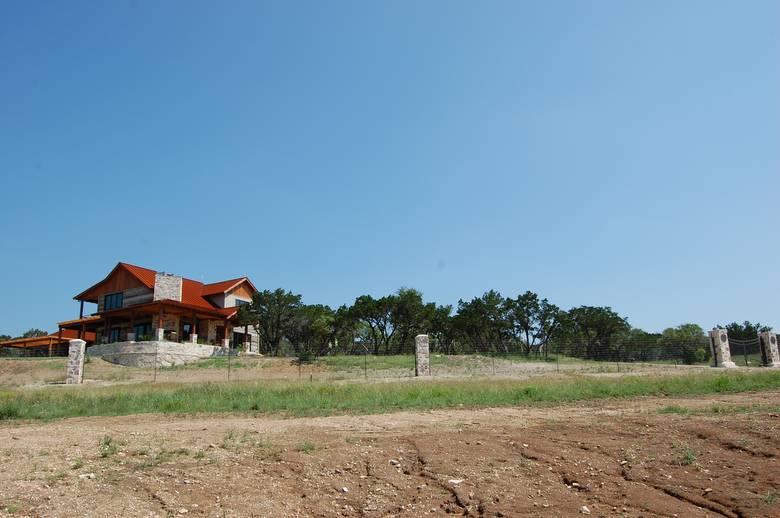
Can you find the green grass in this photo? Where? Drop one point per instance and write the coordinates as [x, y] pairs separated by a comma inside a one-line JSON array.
[[718, 409], [306, 447], [406, 361], [318, 399], [219, 362], [687, 455], [108, 446]]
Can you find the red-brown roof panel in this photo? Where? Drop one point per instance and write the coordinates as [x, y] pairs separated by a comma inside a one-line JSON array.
[[216, 288]]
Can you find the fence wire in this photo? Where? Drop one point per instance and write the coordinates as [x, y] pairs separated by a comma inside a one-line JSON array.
[[454, 359]]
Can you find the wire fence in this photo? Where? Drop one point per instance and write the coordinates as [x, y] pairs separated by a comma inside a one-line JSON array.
[[151, 362]]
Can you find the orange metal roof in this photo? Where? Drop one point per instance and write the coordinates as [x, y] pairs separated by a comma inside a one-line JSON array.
[[145, 275], [84, 320], [221, 287], [193, 292], [39, 341]]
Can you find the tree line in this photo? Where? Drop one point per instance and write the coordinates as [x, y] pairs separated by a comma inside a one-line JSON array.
[[523, 325], [30, 333]]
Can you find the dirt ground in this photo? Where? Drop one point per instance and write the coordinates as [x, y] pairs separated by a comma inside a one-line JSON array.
[[615, 458], [39, 372]]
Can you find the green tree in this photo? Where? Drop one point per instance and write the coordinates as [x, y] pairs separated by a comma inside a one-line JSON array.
[[409, 316], [532, 321], [310, 330], [376, 315], [687, 342], [272, 314], [483, 322], [346, 330], [4, 338], [746, 330], [592, 332], [443, 330]]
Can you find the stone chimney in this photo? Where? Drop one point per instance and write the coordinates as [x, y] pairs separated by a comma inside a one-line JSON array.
[[167, 286]]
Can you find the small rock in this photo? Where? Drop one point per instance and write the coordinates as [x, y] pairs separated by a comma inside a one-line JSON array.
[[344, 490], [85, 476], [394, 462], [708, 490], [584, 510], [183, 511], [455, 481]]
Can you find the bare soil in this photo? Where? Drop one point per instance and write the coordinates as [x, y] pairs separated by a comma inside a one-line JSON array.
[[617, 458]]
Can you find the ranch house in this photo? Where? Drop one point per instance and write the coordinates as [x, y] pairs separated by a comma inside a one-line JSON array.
[[139, 304]]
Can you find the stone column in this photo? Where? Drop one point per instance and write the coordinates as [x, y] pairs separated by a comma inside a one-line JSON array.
[[769, 350], [76, 362], [194, 338], [719, 345], [422, 366], [131, 337]]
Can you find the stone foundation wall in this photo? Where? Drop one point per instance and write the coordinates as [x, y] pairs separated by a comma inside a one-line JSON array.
[[142, 354]]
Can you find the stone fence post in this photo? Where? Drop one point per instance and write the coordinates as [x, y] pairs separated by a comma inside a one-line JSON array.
[[721, 352], [422, 365], [769, 351], [76, 352]]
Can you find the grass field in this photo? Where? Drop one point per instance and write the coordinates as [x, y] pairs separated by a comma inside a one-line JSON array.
[[319, 399]]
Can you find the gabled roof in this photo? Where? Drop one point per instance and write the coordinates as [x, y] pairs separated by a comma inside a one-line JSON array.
[[216, 288], [193, 293], [144, 275]]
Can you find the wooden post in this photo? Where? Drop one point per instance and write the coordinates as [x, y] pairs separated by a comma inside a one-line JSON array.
[[82, 332], [50, 340], [246, 336], [226, 337], [81, 310], [59, 338], [160, 324]]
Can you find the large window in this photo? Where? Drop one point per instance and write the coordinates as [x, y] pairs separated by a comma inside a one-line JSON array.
[[113, 301], [143, 332], [240, 302]]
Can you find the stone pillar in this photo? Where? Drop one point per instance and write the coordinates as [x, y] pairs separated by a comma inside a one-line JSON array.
[[131, 337], [719, 345], [76, 362], [160, 334], [769, 350], [226, 343], [422, 366], [194, 338]]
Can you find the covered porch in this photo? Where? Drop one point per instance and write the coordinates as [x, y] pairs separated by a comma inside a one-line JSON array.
[[166, 320]]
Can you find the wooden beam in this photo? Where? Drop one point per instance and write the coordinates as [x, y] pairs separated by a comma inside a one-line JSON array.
[[81, 311]]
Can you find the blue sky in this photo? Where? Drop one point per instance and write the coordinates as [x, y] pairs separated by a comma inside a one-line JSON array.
[[602, 153]]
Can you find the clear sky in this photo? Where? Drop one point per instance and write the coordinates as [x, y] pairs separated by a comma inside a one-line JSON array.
[[619, 153]]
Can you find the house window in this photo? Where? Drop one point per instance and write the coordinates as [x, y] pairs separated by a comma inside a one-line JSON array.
[[113, 334], [143, 332], [240, 302], [113, 301]]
